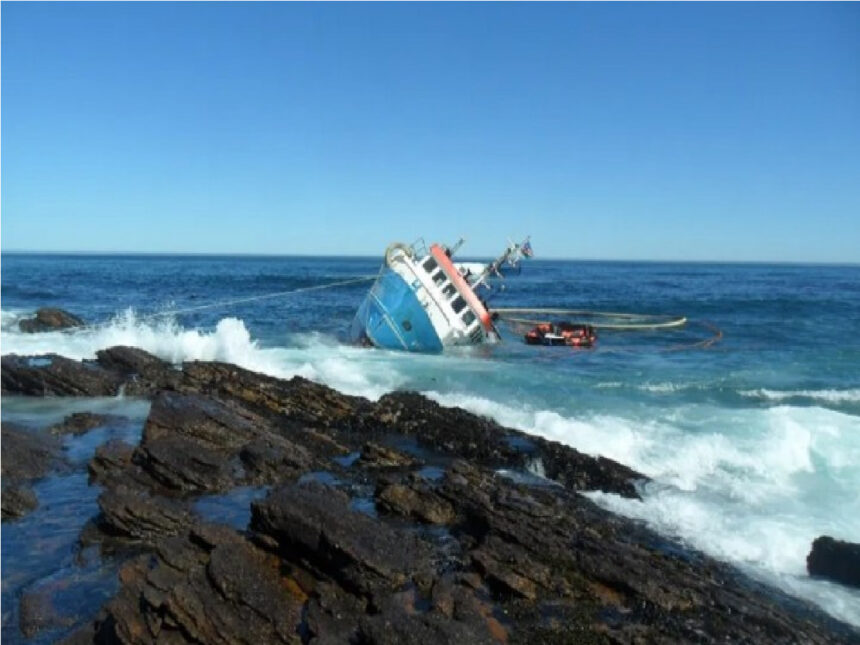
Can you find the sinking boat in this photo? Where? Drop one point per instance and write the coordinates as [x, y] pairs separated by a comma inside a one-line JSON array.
[[424, 301]]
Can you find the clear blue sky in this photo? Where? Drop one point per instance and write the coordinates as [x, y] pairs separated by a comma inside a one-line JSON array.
[[631, 131]]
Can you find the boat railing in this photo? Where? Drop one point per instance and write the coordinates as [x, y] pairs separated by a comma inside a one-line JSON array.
[[419, 248]]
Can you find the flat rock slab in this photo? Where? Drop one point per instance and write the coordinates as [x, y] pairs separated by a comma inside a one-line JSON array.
[[360, 553]]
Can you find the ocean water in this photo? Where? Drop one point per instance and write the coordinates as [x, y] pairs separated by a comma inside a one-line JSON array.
[[752, 443]]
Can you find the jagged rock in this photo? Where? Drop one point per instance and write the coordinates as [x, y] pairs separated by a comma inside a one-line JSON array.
[[141, 372], [53, 375], [357, 551], [273, 459], [297, 400], [79, 423], [208, 585], [50, 319], [834, 559], [375, 456], [415, 501], [402, 628], [17, 501], [185, 466], [469, 436], [111, 461], [134, 514]]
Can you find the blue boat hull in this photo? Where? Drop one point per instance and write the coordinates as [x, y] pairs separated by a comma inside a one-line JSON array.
[[392, 317]]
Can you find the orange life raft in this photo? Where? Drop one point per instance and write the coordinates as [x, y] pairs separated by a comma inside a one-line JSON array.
[[569, 334]]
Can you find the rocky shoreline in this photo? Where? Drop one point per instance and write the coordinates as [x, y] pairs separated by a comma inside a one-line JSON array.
[[395, 521]]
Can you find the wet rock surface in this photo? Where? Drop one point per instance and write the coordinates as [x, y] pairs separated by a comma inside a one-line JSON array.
[[79, 423], [27, 455], [385, 522], [50, 319], [836, 560]]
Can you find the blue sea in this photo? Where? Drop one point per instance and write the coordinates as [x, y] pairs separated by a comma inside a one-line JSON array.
[[752, 443]]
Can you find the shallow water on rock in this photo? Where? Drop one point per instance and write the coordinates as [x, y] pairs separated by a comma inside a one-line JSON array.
[[41, 556], [232, 508]]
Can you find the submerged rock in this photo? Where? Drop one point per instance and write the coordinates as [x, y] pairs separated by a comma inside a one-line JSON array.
[[27, 455], [79, 423], [50, 319], [17, 501], [836, 560]]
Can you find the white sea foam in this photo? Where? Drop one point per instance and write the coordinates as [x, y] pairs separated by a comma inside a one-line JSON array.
[[316, 359], [827, 396]]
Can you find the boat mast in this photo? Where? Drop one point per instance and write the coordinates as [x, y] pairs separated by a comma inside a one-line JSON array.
[[495, 266]]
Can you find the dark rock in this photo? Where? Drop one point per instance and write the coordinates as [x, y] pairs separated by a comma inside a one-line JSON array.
[[27, 454], [141, 372], [396, 628], [37, 613], [273, 459], [50, 319], [836, 560], [375, 456], [357, 551], [79, 423], [17, 501], [415, 501], [468, 436], [297, 400], [134, 514], [185, 466], [54, 375], [111, 461], [209, 585], [201, 420]]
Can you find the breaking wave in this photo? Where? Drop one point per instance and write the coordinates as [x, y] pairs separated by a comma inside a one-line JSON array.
[[825, 396], [317, 357]]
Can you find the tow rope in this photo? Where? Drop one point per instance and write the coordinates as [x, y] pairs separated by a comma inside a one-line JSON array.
[[236, 301], [278, 294]]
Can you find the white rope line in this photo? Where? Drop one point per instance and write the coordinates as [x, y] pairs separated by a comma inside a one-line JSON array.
[[265, 296], [236, 301]]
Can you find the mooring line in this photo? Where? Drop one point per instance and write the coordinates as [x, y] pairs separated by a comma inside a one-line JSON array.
[[236, 301], [265, 296]]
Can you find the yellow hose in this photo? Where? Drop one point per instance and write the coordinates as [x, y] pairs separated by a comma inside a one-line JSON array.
[[665, 322]]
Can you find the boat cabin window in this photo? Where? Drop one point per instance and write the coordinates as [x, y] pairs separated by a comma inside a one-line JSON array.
[[449, 290], [430, 265], [457, 304], [468, 317], [439, 277]]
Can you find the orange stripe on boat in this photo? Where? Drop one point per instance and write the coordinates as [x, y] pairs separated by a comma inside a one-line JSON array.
[[462, 286]]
